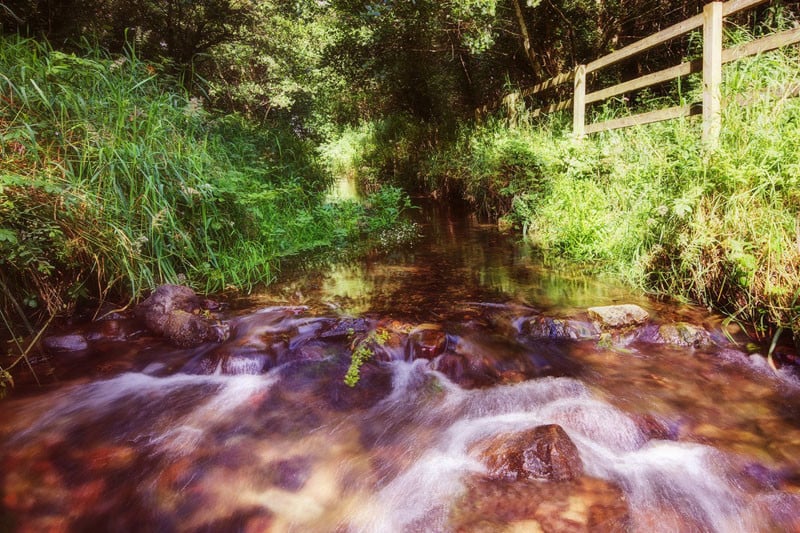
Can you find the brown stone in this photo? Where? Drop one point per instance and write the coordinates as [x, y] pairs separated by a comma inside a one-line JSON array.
[[164, 300], [618, 316], [684, 334], [426, 341], [113, 330], [582, 505], [543, 327], [65, 343], [187, 329], [544, 452], [455, 367], [653, 428], [173, 311]]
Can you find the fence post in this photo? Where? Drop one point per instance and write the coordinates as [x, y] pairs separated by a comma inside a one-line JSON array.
[[712, 73], [579, 103]]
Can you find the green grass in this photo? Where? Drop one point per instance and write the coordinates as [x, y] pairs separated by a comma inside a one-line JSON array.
[[113, 180], [379, 151], [721, 229]]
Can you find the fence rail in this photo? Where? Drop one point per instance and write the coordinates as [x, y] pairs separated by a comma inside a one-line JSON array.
[[714, 56]]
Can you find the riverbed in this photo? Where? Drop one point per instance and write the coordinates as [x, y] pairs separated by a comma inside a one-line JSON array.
[[473, 341]]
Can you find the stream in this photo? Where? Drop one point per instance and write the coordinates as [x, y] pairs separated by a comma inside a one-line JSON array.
[[475, 346]]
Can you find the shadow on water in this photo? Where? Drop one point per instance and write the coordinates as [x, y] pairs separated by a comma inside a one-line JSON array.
[[480, 346]]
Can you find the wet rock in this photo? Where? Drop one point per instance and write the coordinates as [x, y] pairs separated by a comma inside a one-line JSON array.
[[113, 329], [187, 329], [113, 457], [453, 366], [263, 341], [321, 383], [544, 452], [246, 520], [387, 345], [230, 359], [346, 327], [312, 351], [290, 474], [512, 376], [490, 359], [618, 316], [164, 300], [683, 334], [426, 341], [374, 384], [653, 428], [65, 343], [543, 327], [173, 311], [761, 477], [584, 505], [245, 364]]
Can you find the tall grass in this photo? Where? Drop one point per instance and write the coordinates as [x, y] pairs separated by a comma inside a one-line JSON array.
[[113, 181], [721, 229]]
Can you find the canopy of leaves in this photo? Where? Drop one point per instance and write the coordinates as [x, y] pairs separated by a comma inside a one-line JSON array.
[[321, 64]]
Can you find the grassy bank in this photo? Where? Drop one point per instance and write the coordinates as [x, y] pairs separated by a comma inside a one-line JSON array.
[[113, 181], [721, 229]]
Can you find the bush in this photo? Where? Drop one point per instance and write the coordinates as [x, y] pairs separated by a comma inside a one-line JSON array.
[[649, 203]]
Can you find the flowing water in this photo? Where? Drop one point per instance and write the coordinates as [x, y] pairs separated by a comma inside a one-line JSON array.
[[260, 433]]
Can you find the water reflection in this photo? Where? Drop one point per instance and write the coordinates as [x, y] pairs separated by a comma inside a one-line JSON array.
[[457, 259]]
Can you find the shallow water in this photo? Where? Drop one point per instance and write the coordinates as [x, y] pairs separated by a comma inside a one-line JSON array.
[[260, 433]]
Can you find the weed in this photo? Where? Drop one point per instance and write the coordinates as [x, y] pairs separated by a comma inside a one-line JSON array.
[[362, 351]]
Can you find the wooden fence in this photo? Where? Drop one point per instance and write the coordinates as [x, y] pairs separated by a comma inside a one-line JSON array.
[[714, 56]]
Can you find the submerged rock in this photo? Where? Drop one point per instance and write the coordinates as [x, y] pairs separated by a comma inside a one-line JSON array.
[[544, 327], [346, 327], [652, 427], [618, 316], [455, 367], [584, 505], [173, 311], [113, 329], [290, 474], [65, 343], [426, 341], [544, 452], [684, 334]]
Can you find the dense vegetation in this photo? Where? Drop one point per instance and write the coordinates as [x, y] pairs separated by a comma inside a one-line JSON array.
[[111, 183], [173, 140], [719, 228]]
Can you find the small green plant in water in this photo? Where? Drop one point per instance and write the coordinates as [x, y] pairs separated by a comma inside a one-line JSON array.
[[363, 351], [6, 382]]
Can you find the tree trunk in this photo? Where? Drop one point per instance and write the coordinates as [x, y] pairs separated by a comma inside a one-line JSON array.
[[526, 41]]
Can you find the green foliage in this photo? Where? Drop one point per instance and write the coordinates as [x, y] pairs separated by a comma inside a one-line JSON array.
[[720, 229], [362, 351], [378, 152], [174, 32], [274, 65], [113, 181]]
